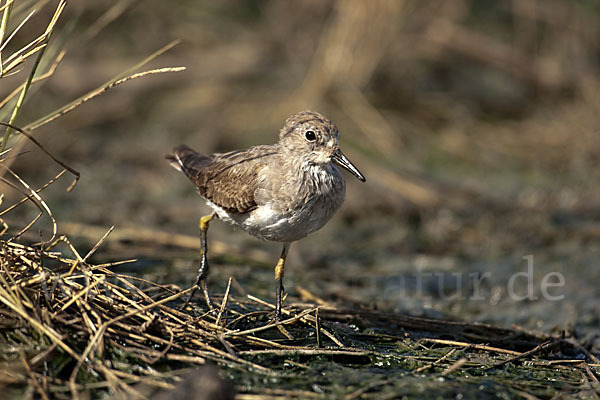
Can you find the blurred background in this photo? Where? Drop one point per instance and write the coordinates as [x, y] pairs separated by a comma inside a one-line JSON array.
[[476, 124]]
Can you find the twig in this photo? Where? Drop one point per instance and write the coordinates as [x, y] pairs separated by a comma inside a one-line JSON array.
[[439, 360], [99, 243], [457, 365], [309, 352], [39, 145], [39, 200], [224, 302], [475, 346], [102, 89], [528, 353]]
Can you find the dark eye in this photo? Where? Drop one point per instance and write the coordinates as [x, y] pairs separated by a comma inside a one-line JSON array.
[[310, 136]]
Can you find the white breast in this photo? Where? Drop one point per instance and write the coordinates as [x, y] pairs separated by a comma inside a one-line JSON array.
[[317, 194]]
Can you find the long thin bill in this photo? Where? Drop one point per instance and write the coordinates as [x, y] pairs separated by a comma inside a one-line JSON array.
[[343, 161]]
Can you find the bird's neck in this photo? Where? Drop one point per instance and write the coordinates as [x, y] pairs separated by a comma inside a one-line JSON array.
[[307, 174]]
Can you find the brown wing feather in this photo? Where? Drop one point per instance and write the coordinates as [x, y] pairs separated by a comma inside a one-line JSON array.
[[228, 180]]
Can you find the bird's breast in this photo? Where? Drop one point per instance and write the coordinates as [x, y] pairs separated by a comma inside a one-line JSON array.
[[298, 205]]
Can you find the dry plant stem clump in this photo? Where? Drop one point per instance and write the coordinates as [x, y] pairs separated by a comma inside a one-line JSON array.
[[111, 331], [88, 314]]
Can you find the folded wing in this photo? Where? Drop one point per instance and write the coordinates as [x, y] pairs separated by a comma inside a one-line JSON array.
[[228, 180]]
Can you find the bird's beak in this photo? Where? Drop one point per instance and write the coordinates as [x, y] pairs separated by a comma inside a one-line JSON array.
[[342, 161]]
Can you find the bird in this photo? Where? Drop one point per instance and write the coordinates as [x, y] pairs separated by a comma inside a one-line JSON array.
[[280, 192]]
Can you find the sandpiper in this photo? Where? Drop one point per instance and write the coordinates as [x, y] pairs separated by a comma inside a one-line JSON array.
[[280, 192]]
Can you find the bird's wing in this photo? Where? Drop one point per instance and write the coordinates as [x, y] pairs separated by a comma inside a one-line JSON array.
[[228, 180]]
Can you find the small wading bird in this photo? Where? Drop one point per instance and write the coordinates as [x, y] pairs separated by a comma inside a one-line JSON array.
[[280, 192]]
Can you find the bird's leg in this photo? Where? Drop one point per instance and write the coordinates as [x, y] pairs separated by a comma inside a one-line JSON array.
[[203, 271], [279, 270]]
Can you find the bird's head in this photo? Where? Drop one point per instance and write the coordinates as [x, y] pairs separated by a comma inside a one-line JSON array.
[[317, 139]]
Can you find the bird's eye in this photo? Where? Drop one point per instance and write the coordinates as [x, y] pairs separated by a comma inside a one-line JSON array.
[[310, 136]]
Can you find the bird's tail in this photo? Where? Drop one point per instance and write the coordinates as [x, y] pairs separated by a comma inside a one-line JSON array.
[[187, 160]]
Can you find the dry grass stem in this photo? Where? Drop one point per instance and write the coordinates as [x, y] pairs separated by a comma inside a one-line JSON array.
[[97, 92]]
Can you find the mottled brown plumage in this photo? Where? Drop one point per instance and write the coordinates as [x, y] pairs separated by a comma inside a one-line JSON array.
[[280, 192]]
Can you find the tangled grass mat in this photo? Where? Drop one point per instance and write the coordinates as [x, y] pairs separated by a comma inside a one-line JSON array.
[[69, 329]]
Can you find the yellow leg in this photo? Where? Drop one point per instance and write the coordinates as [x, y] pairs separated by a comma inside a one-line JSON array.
[[203, 271], [204, 221], [279, 271]]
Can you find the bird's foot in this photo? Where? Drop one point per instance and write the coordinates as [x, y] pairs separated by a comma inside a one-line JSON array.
[[201, 286], [277, 320]]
